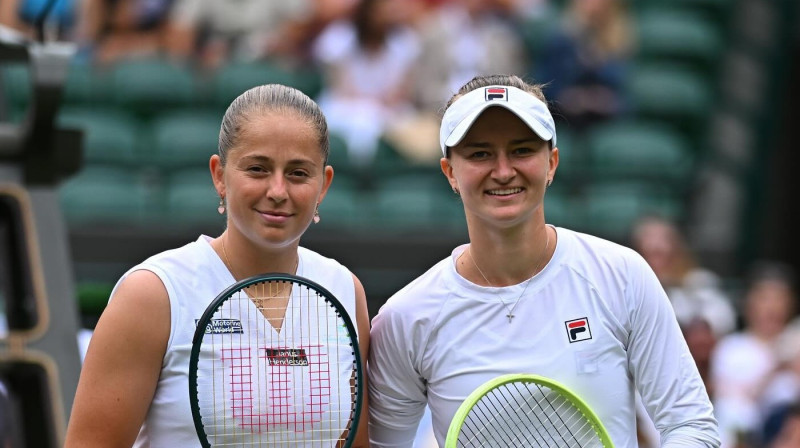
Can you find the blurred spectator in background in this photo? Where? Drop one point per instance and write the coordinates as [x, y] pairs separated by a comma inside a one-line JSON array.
[[63, 20], [463, 39], [586, 61], [123, 29], [702, 340], [213, 31], [295, 47], [704, 311], [458, 41], [745, 362], [368, 62], [695, 292], [782, 428]]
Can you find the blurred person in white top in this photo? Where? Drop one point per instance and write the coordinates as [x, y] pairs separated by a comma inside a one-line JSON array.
[[744, 362], [694, 291]]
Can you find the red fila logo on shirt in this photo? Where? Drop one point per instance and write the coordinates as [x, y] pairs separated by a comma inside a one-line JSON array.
[[496, 93], [578, 329]]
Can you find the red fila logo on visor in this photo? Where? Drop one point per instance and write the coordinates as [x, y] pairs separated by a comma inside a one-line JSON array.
[[496, 93], [578, 330]]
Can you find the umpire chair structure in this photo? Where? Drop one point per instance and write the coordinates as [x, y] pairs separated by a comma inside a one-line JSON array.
[[39, 355]]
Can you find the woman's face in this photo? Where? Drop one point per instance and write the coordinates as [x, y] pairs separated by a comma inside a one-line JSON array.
[[769, 305], [501, 169], [273, 179]]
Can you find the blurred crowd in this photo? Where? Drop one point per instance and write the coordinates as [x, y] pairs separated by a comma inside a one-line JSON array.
[[745, 338], [388, 66]]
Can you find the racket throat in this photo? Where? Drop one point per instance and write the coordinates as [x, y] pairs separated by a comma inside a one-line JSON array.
[[272, 302]]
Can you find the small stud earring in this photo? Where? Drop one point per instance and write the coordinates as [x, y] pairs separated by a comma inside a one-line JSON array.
[[221, 207], [316, 215], [549, 181], [455, 190]]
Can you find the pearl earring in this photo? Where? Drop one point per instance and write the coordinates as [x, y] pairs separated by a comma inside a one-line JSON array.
[[221, 207]]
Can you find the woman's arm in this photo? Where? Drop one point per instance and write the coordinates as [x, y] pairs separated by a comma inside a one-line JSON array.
[[362, 322], [122, 365], [664, 371]]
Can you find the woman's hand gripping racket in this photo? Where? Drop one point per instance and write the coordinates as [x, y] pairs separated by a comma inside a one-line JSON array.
[[275, 362], [525, 410]]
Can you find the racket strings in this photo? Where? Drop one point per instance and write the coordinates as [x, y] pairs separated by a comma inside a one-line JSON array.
[[526, 414], [261, 383]]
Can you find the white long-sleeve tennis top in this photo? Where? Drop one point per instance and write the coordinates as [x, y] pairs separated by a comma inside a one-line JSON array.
[[594, 319]]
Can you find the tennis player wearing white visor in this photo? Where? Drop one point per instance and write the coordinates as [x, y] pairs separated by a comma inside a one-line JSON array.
[[527, 297]]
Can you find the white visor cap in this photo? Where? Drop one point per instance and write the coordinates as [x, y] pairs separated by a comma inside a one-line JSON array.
[[460, 116]]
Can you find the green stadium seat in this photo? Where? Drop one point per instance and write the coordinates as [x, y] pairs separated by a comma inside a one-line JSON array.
[[86, 85], [93, 297], [103, 194], [338, 157], [560, 208], [448, 210], [150, 85], [111, 135], [640, 150], [611, 208], [536, 29], [680, 36], [388, 161], [83, 86], [17, 88], [191, 199], [717, 10], [398, 208], [231, 80], [572, 157], [344, 206], [185, 138], [674, 94], [415, 201]]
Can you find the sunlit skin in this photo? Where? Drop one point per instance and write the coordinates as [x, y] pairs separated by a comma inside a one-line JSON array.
[[501, 169], [272, 182]]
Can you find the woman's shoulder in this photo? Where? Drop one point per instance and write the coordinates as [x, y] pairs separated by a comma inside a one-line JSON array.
[[180, 264], [425, 291], [592, 256], [599, 247], [199, 247], [309, 257]]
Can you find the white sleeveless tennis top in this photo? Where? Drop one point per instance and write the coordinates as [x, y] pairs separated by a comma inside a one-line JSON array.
[[193, 276]]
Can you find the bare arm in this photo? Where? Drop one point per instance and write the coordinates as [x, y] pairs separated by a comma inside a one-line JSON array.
[[362, 322], [122, 365]]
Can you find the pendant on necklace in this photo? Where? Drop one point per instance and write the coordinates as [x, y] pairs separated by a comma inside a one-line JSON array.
[[509, 316]]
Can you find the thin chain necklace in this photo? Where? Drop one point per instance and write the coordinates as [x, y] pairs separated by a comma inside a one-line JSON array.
[[510, 314], [230, 266]]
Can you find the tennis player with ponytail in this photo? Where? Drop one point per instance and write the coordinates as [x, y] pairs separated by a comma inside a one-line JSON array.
[[271, 174], [525, 297]]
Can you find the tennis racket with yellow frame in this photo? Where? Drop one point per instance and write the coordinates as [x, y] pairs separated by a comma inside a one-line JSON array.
[[525, 410]]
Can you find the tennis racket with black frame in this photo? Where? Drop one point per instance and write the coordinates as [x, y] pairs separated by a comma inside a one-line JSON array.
[[525, 410], [275, 362]]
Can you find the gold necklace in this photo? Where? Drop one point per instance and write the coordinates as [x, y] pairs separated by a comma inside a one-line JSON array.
[[230, 265], [510, 314]]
